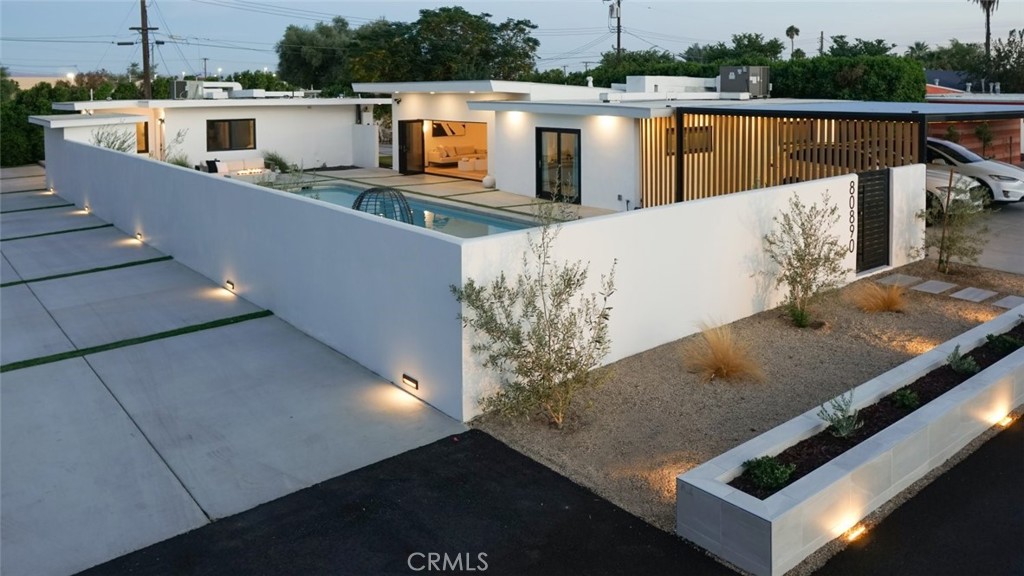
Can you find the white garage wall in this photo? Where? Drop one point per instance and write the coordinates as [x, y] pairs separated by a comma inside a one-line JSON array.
[[609, 156], [308, 136], [375, 290]]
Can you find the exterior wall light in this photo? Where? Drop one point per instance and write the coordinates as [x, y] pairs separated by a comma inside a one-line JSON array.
[[410, 382], [87, 209], [1006, 421], [138, 236], [229, 285]]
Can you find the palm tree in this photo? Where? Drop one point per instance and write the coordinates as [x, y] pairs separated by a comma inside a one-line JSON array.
[[918, 51], [987, 6], [791, 33]]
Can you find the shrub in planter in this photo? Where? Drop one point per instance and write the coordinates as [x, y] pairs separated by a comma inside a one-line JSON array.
[[841, 416], [906, 398], [768, 473], [960, 363]]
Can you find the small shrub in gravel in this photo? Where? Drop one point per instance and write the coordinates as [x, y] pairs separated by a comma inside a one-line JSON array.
[[768, 473], [717, 353], [871, 297]]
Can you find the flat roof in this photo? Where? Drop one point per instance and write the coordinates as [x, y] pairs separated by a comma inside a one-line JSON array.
[[778, 107], [72, 120], [223, 103], [479, 87]]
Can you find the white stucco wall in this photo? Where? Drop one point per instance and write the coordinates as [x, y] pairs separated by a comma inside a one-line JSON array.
[[307, 136], [609, 156], [375, 290], [682, 264]]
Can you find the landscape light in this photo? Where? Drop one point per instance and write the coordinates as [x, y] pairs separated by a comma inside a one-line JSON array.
[[410, 382], [138, 236], [229, 285], [1006, 421], [855, 532]]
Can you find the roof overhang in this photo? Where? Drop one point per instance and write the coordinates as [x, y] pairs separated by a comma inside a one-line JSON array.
[[857, 110], [589, 108], [85, 120], [228, 103], [442, 87]]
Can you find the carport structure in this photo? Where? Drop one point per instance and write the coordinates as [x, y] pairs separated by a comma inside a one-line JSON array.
[[730, 146]]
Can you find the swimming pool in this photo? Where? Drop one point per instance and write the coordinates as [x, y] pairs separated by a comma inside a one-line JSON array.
[[453, 221]]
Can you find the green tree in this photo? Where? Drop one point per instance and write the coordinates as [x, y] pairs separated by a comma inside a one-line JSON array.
[[260, 80], [919, 51], [882, 78], [455, 45], [809, 258], [1008, 62], [961, 231], [539, 331], [860, 47], [987, 6], [959, 56], [792, 32], [514, 50], [798, 54], [317, 56], [385, 51]]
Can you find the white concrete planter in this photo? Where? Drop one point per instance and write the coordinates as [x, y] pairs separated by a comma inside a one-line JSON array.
[[771, 536]]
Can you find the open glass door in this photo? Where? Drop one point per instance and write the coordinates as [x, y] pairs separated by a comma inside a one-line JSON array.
[[410, 147], [558, 164]]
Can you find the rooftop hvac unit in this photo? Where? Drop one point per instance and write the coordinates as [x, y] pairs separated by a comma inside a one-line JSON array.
[[752, 79]]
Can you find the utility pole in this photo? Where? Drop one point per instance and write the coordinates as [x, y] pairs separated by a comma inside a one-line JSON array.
[[147, 78], [821, 44], [615, 11], [204, 68]]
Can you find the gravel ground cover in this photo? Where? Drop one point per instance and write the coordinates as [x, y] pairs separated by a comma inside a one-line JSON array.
[[652, 419]]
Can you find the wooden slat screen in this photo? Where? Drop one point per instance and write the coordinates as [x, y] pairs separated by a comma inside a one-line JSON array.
[[748, 152], [657, 161]]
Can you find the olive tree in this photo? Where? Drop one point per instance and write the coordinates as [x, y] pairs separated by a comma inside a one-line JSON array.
[[809, 258], [539, 331]]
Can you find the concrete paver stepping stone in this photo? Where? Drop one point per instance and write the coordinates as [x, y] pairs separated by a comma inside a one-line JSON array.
[[115, 305], [75, 252], [251, 412], [1009, 302], [80, 485], [900, 280], [46, 221], [934, 286], [28, 330], [973, 294], [30, 201]]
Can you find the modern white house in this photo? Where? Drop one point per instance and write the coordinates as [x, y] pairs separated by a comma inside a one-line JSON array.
[[710, 170], [231, 124], [653, 140]]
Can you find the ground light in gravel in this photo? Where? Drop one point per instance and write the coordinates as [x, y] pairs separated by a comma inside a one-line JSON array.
[[653, 419]]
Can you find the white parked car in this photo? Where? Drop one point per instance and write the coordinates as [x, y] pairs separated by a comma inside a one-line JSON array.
[[1004, 181], [938, 189]]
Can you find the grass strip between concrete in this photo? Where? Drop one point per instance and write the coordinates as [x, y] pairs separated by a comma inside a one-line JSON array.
[[36, 208], [133, 341], [89, 271], [56, 232]]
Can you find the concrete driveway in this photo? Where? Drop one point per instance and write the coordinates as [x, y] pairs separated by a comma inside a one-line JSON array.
[[1005, 249], [139, 400]]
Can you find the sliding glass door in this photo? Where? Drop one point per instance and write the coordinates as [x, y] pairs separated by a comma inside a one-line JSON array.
[[558, 164]]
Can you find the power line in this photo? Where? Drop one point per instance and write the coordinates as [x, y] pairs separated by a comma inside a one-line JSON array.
[[177, 48]]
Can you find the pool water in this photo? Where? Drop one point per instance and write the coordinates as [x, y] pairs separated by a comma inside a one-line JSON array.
[[453, 221]]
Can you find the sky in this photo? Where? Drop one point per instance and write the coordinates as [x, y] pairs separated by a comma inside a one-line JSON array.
[[52, 38]]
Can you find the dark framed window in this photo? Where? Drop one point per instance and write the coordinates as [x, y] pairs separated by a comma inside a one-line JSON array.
[[142, 138], [698, 139], [230, 135]]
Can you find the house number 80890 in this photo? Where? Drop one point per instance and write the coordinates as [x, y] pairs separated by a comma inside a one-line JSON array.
[[853, 217]]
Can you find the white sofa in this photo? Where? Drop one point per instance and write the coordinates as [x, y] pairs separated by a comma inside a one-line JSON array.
[[234, 168], [443, 155]]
